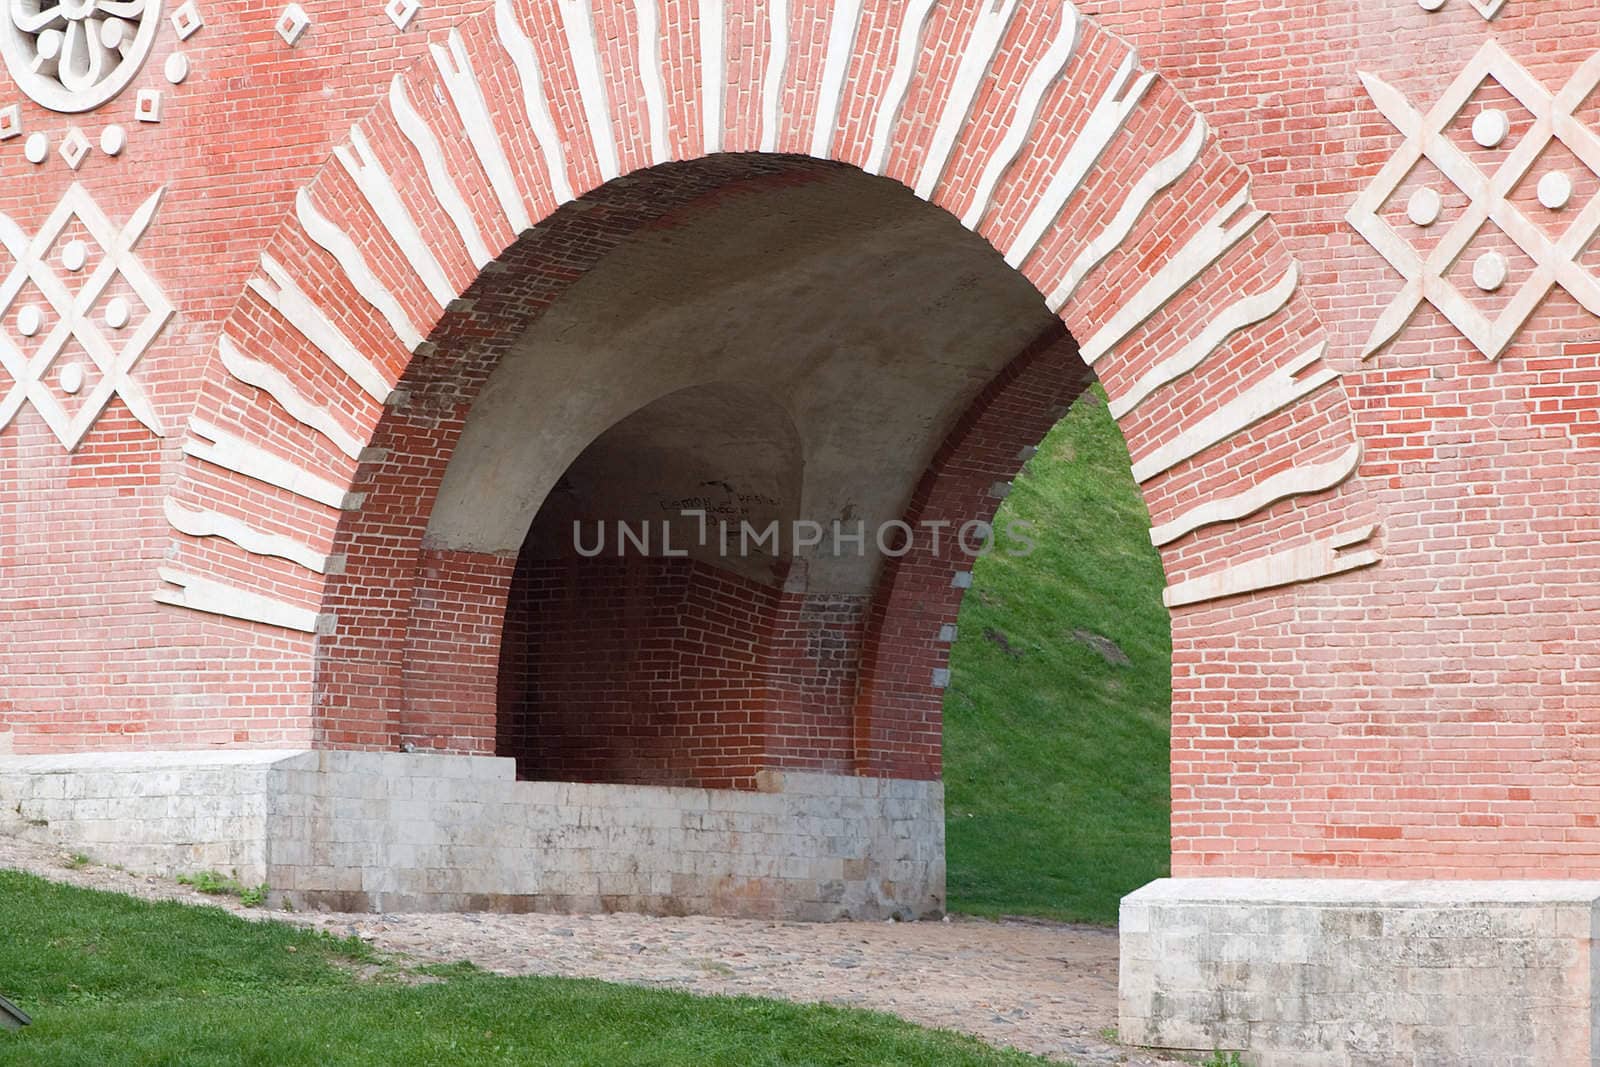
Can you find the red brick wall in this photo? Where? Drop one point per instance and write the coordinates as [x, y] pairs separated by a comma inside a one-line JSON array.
[[1433, 715], [672, 672]]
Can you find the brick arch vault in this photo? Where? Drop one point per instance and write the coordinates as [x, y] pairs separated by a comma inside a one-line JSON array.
[[326, 419]]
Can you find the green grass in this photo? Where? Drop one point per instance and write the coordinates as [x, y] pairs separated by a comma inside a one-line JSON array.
[[113, 980], [1056, 759]]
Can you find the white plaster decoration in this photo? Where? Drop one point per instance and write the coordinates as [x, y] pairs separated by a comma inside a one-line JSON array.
[[1107, 119], [1555, 190], [1296, 481], [1487, 8], [276, 384], [455, 67], [1244, 312], [74, 55], [1044, 74], [1266, 398], [147, 105], [206, 523], [537, 107], [292, 24], [364, 168], [36, 149], [284, 295], [912, 26], [113, 139], [652, 78], [1556, 260], [74, 148], [176, 68], [75, 303], [187, 21], [1489, 271], [401, 12], [333, 240], [842, 30], [421, 136], [74, 255], [976, 60], [713, 71], [10, 121], [215, 598], [776, 74], [1424, 206], [30, 320], [1236, 220], [118, 313], [1321, 558], [1138, 201], [1491, 127], [216, 446], [577, 22], [71, 379]]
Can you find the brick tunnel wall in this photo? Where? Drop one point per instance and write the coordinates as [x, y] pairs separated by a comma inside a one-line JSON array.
[[671, 672]]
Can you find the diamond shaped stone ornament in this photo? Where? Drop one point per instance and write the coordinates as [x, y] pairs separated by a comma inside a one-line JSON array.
[[1488, 187], [1487, 8], [75, 148], [74, 276]]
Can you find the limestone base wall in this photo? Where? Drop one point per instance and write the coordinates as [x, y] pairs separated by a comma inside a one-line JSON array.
[[364, 831], [1345, 973]]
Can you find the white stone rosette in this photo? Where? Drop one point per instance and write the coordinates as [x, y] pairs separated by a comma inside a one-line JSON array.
[[74, 55]]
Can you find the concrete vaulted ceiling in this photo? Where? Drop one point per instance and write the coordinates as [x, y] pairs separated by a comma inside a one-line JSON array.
[[867, 320]]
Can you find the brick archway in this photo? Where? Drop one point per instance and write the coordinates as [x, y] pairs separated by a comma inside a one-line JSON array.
[[1036, 129]]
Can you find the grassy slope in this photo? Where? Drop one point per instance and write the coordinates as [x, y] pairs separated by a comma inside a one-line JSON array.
[[1056, 759], [113, 980]]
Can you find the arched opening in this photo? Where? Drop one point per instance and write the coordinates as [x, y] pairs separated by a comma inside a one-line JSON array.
[[638, 645], [791, 352]]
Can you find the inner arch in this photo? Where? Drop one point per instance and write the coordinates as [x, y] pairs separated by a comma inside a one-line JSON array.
[[873, 316], [794, 348]]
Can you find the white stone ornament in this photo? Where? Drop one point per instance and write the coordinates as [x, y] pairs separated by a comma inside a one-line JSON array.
[[74, 255], [71, 379], [74, 148], [74, 55], [75, 297], [113, 139], [148, 107], [292, 24], [36, 148], [10, 121], [176, 68], [1424, 207], [1490, 128], [1555, 190], [186, 20], [118, 312], [1490, 271], [1488, 184], [1487, 8], [401, 12]]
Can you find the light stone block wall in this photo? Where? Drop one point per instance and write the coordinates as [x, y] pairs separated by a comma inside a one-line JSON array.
[[366, 831], [1346, 973]]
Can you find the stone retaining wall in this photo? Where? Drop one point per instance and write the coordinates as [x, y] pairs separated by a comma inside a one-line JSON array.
[[371, 831], [1347, 973]]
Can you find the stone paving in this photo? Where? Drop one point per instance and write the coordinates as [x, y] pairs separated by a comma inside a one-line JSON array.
[[1042, 987]]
